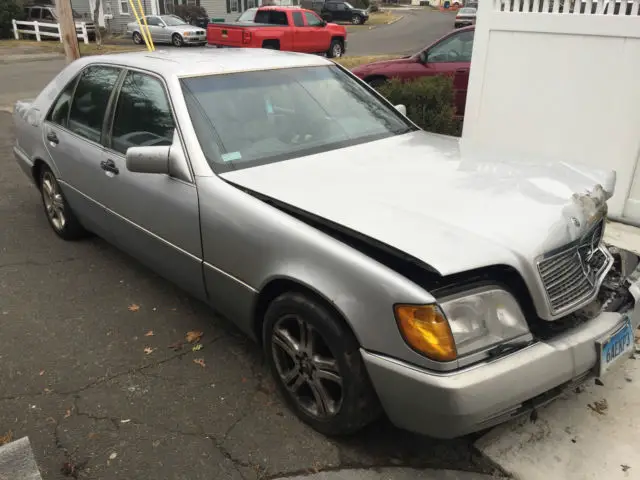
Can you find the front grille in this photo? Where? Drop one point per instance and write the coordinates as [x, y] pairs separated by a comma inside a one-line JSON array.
[[572, 275]]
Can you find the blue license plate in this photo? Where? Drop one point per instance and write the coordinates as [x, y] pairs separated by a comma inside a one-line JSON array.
[[617, 346]]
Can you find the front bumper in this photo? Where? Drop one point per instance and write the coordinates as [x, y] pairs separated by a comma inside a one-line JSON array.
[[199, 40], [448, 405]]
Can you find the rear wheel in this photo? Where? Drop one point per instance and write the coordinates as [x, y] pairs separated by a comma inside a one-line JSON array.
[[56, 208], [316, 363], [336, 49], [137, 38], [176, 39]]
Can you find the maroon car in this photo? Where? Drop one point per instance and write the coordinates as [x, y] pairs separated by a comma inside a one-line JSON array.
[[450, 55]]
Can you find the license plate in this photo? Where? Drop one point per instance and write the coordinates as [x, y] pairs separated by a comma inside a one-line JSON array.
[[615, 347]]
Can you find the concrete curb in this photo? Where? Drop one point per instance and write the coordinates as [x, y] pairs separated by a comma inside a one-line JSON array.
[[17, 461], [397, 19], [392, 473], [30, 57]]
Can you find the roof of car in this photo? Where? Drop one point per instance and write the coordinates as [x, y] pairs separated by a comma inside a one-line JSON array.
[[209, 61]]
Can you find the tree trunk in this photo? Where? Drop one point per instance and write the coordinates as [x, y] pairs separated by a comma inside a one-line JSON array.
[[96, 23]]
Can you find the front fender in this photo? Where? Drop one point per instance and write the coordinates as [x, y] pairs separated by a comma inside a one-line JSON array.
[[248, 243]]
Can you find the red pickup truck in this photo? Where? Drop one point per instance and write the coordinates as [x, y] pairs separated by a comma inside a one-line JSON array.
[[282, 28]]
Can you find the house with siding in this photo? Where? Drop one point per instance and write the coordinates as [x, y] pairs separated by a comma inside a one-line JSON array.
[[115, 14]]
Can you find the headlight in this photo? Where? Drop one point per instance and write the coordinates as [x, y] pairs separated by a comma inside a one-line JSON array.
[[483, 318], [186, 34]]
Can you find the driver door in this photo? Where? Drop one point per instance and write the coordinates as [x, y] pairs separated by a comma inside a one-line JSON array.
[[452, 56], [157, 29], [317, 37]]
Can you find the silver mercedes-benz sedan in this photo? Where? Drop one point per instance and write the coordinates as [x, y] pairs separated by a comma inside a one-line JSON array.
[[382, 268], [168, 29]]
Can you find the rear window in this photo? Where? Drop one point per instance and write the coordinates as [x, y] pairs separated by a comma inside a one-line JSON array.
[[467, 11], [271, 17]]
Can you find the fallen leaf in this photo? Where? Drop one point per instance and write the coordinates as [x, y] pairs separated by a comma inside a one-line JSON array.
[[134, 308], [113, 456], [196, 347], [599, 406], [199, 361], [69, 469], [194, 336], [41, 372], [125, 421], [68, 414], [47, 390], [244, 380], [148, 350], [176, 346], [92, 435], [149, 333], [4, 439], [625, 467]]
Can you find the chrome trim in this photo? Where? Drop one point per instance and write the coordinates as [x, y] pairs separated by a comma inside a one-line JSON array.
[[228, 275], [574, 249]]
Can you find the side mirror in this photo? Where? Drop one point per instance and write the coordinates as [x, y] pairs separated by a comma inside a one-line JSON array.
[[402, 109], [148, 159], [324, 23], [423, 57]]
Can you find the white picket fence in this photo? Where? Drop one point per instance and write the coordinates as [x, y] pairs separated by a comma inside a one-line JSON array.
[[40, 29]]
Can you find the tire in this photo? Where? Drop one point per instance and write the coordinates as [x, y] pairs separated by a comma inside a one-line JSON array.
[[375, 82], [271, 46], [58, 212], [336, 49], [356, 20], [324, 381], [176, 40], [137, 38]]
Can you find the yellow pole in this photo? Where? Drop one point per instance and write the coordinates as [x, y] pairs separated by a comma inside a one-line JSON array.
[[144, 18], [142, 31]]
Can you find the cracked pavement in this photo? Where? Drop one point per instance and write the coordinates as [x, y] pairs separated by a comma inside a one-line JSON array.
[[75, 378]]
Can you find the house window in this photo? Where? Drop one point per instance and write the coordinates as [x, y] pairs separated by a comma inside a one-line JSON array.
[[124, 7], [234, 6]]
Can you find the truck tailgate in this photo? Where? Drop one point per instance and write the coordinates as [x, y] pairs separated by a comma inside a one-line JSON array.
[[225, 35]]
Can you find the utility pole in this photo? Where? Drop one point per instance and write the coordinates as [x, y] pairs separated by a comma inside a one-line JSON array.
[[68, 33]]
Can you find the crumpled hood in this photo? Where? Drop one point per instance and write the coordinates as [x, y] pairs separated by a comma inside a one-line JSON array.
[[419, 194]]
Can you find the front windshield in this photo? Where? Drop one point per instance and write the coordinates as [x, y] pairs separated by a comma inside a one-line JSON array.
[[253, 118], [172, 20], [248, 16], [349, 6]]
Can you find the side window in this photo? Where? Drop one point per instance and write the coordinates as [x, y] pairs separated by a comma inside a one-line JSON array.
[[312, 19], [90, 101], [456, 48], [340, 7], [143, 116], [279, 18], [330, 6], [59, 114], [47, 15], [298, 21], [153, 21]]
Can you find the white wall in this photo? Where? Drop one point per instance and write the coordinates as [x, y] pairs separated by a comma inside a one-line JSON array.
[[559, 85]]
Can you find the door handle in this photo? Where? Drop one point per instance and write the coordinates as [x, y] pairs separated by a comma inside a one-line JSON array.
[[52, 137], [109, 166], [462, 70]]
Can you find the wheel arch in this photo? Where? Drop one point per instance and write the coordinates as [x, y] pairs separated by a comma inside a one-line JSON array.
[[280, 285]]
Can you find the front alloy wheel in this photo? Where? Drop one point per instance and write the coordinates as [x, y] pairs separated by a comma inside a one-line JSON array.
[[356, 20], [316, 363], [177, 40]]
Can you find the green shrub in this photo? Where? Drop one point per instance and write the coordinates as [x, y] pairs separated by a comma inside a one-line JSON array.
[[429, 102], [9, 10], [189, 13], [373, 6]]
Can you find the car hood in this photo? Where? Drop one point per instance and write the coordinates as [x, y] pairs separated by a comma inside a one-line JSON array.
[[420, 194]]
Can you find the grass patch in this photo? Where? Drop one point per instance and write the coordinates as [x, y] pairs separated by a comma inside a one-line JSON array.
[[53, 46], [352, 62]]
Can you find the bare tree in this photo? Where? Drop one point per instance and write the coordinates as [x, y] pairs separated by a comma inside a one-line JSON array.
[[96, 16]]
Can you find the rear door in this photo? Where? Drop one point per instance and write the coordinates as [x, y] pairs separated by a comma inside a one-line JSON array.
[[302, 41], [159, 32], [318, 35]]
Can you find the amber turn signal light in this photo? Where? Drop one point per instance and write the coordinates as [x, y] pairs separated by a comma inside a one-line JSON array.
[[426, 330]]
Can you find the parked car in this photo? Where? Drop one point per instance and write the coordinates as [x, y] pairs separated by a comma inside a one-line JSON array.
[[282, 28], [466, 16], [450, 55], [46, 14], [341, 11], [168, 29], [288, 195]]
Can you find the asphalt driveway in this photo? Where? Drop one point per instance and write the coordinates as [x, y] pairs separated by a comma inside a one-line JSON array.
[[93, 371]]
